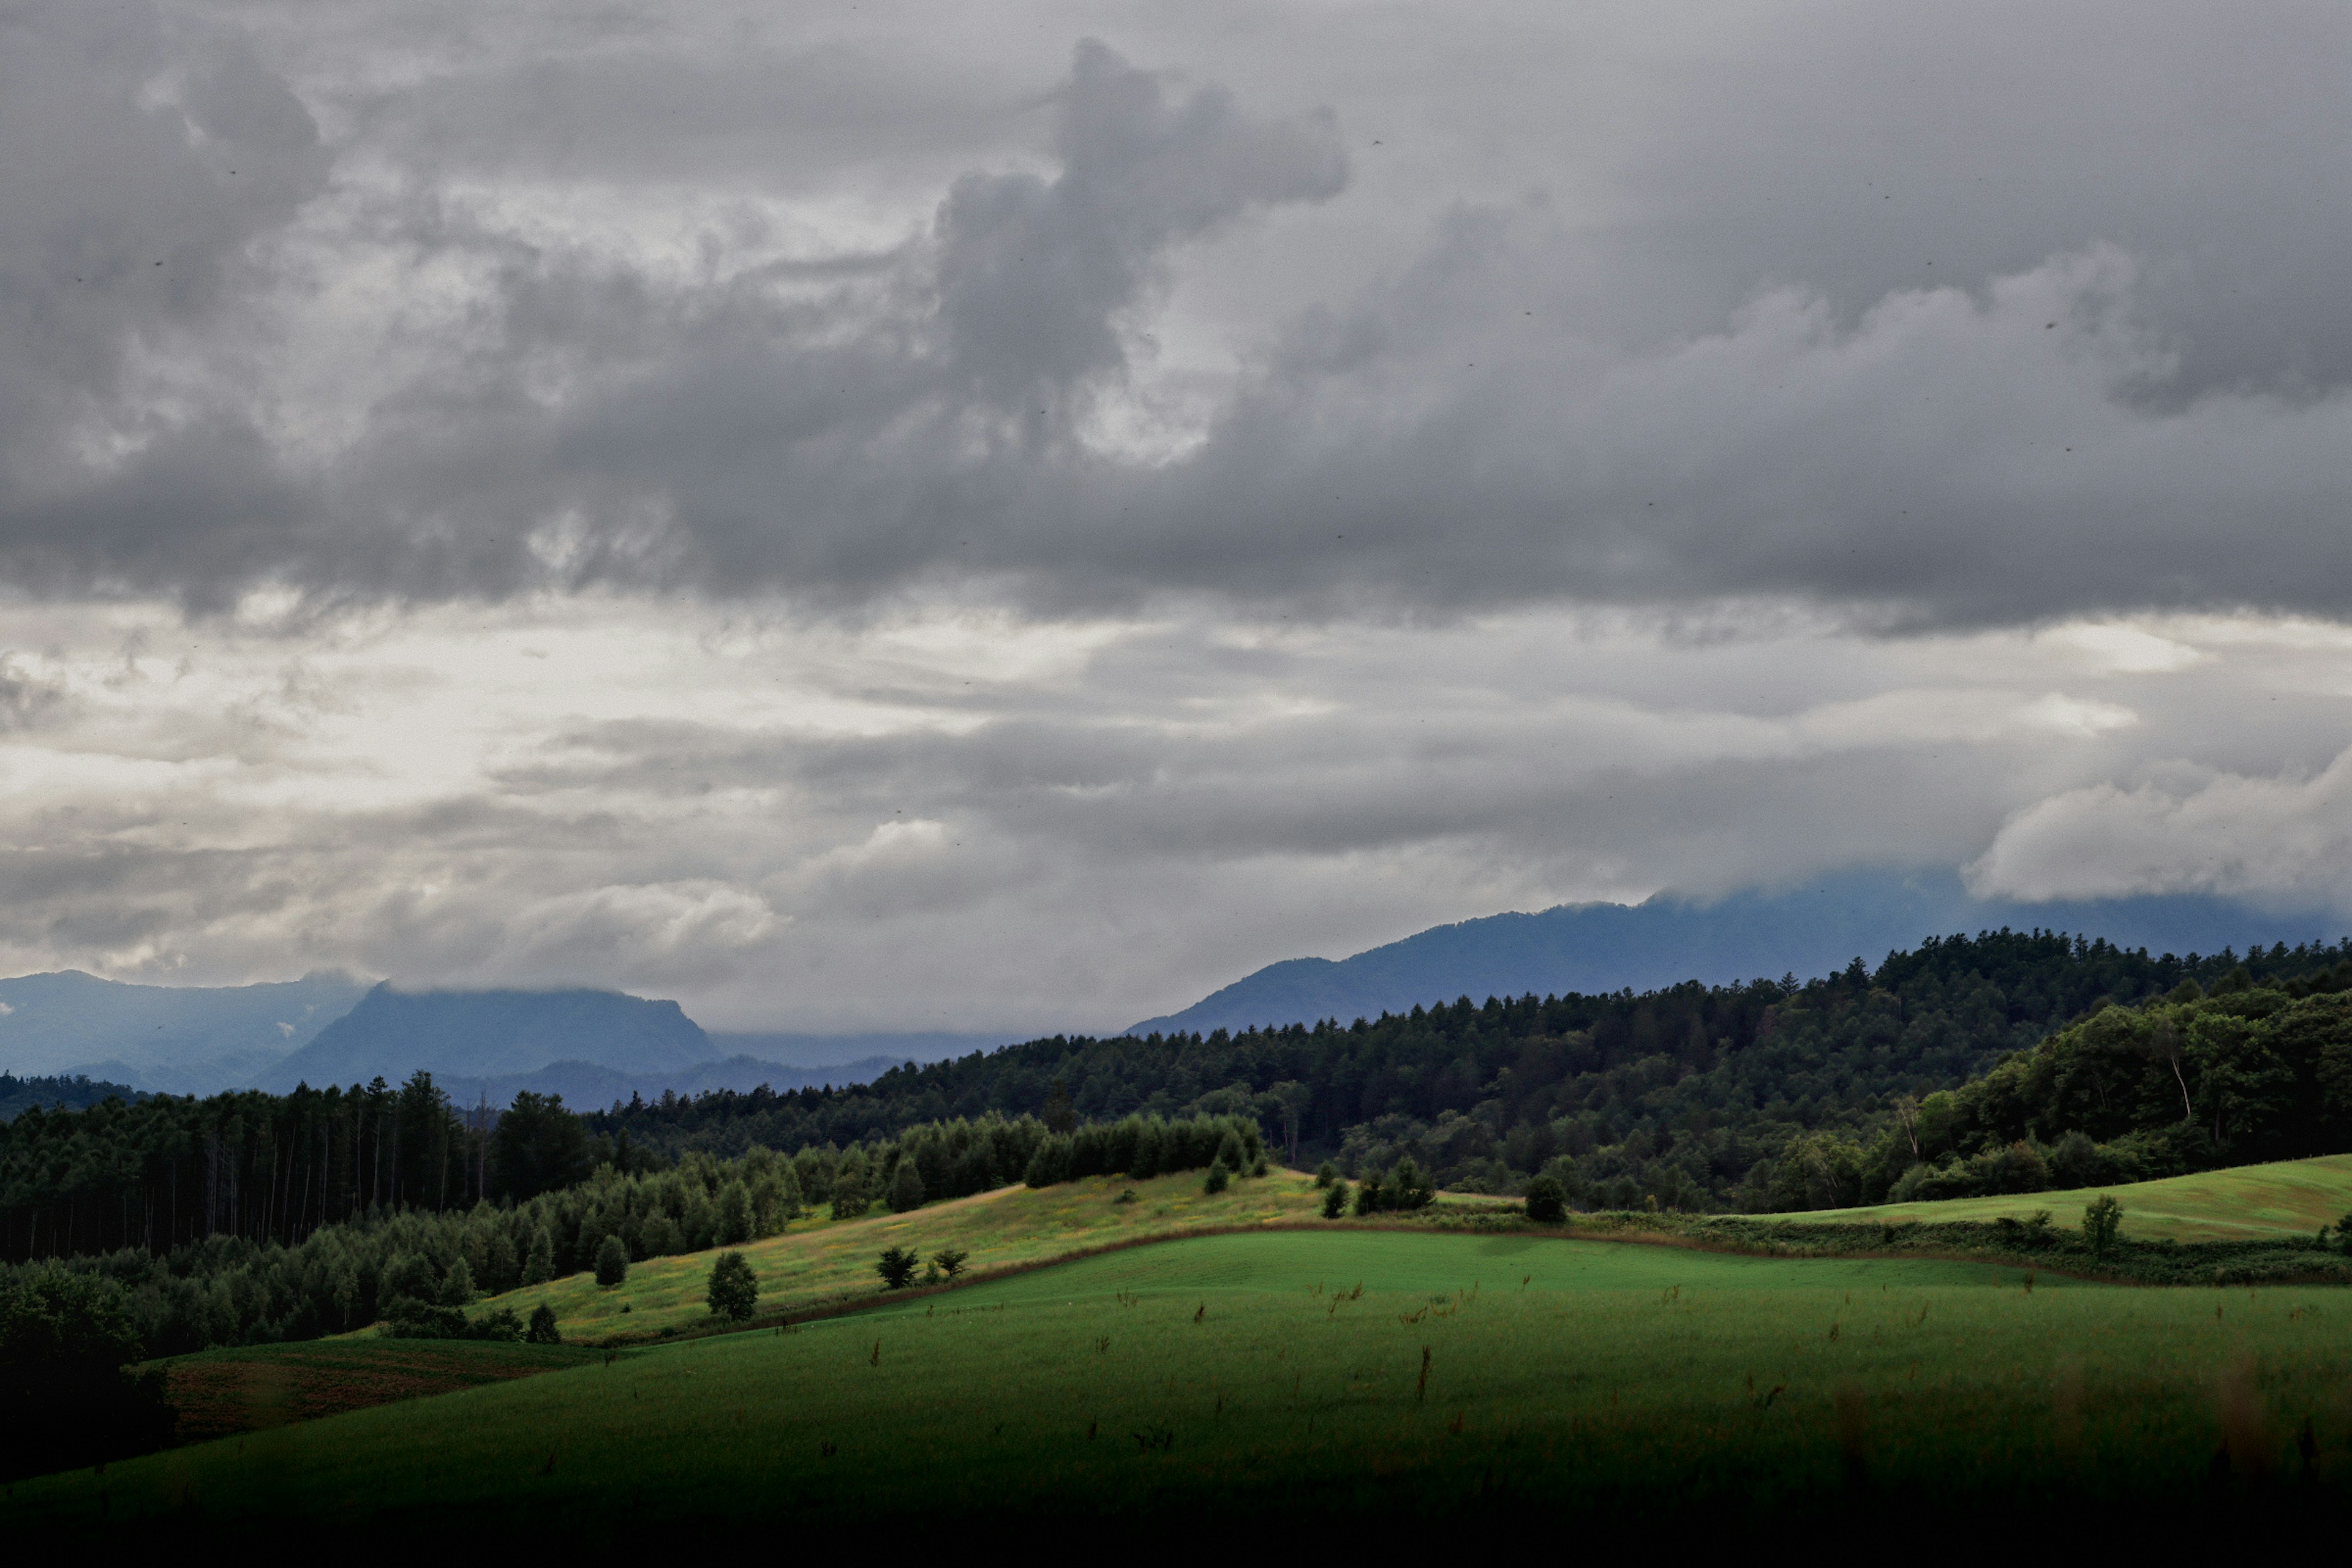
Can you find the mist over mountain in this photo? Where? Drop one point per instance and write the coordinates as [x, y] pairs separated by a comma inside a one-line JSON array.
[[178, 1038], [477, 1035], [1811, 929]]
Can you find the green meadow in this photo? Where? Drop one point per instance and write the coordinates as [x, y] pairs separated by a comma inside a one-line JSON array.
[[2244, 1203], [1297, 1374], [818, 1264]]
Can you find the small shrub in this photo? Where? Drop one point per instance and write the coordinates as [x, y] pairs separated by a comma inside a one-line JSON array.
[[1546, 1200], [1219, 1178], [897, 1266], [1257, 1166], [2102, 1217], [611, 1262], [543, 1327], [734, 1288], [949, 1261], [1335, 1200], [1326, 1173]]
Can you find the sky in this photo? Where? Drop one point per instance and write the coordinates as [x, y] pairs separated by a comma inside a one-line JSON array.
[[916, 516]]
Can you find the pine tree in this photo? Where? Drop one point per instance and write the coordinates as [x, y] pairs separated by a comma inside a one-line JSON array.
[[611, 1262], [543, 1327], [905, 1188], [457, 1286], [897, 1268], [1219, 1177], [1335, 1200], [734, 1288]]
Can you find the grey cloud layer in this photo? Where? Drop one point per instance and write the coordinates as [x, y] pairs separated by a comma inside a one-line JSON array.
[[1888, 312]]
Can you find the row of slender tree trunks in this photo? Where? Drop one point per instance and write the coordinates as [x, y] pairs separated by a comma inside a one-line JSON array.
[[167, 1172]]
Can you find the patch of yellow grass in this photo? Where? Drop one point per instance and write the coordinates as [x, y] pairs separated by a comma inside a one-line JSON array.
[[818, 1263], [2245, 1203]]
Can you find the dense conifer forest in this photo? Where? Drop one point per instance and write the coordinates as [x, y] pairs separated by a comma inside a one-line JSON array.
[[1687, 1096]]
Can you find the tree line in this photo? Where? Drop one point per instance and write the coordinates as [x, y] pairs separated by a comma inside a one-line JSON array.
[[164, 1171], [1685, 1096], [2191, 1081], [417, 1268]]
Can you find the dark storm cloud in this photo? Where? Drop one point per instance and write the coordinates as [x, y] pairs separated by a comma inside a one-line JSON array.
[[1903, 314]]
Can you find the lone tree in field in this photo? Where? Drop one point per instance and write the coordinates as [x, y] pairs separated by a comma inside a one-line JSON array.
[[734, 1288], [1220, 1177], [611, 1262], [949, 1261], [543, 1327], [2102, 1218], [897, 1268], [1546, 1200]]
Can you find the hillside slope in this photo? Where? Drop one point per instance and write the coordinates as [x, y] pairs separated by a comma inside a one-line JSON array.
[[2243, 1203]]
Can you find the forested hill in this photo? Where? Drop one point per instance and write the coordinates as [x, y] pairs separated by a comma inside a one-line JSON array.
[[1682, 1094]]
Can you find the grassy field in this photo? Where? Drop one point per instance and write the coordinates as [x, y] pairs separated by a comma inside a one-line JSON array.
[[1336, 1374], [818, 1264], [252, 1388], [2293, 1197]]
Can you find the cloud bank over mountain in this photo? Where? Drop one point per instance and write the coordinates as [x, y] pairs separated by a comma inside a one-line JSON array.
[[916, 519]]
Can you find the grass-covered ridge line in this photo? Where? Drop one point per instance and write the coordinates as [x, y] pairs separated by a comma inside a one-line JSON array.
[[818, 1264], [2285, 1200], [1349, 1375]]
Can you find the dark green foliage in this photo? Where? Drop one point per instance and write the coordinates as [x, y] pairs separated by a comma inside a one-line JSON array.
[[1546, 1200], [897, 1266], [949, 1261], [1335, 1200], [540, 1147], [1404, 1189], [539, 1263], [906, 1188], [1326, 1173], [734, 1223], [1687, 1095], [1218, 1178], [543, 1327], [167, 1171], [2102, 1220], [69, 1396], [1050, 1163], [409, 1318], [79, 1092], [2247, 1074], [611, 1262], [734, 1288]]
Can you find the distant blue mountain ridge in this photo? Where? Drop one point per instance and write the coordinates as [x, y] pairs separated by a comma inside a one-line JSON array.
[[591, 1046], [1806, 930]]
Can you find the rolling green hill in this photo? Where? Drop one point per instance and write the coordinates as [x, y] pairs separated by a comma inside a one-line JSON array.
[[1340, 1375], [2244, 1203]]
